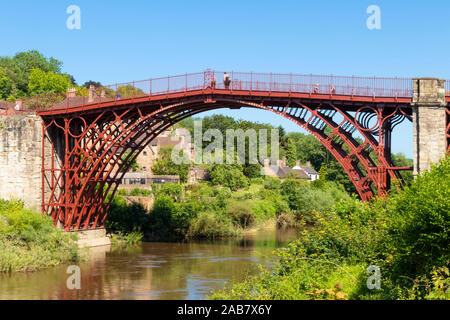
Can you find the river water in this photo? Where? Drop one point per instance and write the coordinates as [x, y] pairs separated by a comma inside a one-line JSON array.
[[153, 270]]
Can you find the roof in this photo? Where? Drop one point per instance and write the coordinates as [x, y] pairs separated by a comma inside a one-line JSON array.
[[7, 109], [283, 171], [135, 175], [167, 141], [309, 170]]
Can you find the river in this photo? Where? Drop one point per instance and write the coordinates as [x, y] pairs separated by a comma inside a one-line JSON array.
[[153, 270]]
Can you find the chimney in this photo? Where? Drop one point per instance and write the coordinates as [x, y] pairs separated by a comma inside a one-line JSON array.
[[297, 163], [92, 95], [283, 161], [19, 104], [71, 93], [279, 163], [266, 163], [308, 163], [102, 94]]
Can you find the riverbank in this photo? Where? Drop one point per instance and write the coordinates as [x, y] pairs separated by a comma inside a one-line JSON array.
[[404, 236], [30, 242], [207, 211]]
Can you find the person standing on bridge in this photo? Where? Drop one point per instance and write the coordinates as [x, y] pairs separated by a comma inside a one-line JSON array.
[[316, 88], [226, 80]]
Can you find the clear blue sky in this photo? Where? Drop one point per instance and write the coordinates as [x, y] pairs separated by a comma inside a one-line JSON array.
[[121, 41]]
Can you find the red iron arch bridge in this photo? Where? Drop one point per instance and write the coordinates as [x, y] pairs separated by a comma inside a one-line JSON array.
[[86, 140]]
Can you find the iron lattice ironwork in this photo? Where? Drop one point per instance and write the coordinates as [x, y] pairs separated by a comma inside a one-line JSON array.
[[86, 150]]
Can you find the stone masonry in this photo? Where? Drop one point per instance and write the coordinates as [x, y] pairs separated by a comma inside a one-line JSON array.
[[429, 122], [20, 159]]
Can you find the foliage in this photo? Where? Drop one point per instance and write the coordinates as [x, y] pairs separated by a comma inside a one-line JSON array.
[[125, 218], [6, 84], [19, 68], [406, 235], [41, 82], [230, 176], [420, 227], [130, 162], [166, 166], [129, 91], [241, 215], [29, 241]]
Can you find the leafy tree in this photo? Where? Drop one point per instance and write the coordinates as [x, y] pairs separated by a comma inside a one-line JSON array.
[[165, 165], [6, 84], [289, 151], [41, 82], [90, 83], [129, 91], [21, 66], [230, 176]]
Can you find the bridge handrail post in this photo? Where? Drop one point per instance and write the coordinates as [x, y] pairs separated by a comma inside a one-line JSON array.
[[186, 83], [270, 84], [168, 84], [151, 93], [232, 80], [290, 83], [251, 82]]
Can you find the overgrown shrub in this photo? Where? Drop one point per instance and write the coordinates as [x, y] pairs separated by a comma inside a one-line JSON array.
[[242, 215], [29, 241]]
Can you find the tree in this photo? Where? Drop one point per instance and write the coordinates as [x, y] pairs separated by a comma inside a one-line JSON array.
[[129, 91], [41, 82], [229, 176], [90, 83], [165, 165], [22, 64], [130, 162], [289, 150], [6, 84]]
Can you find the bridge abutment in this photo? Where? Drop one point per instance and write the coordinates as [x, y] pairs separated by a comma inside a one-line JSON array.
[[20, 159], [429, 122]]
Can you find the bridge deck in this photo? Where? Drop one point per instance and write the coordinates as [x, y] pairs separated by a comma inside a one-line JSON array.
[[265, 85]]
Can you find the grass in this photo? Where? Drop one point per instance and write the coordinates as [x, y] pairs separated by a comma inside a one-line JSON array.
[[29, 241]]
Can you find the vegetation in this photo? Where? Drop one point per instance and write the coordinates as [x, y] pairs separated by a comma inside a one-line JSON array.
[[29, 241], [166, 166], [213, 209], [406, 235]]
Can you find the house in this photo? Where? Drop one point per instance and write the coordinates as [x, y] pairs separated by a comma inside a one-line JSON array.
[[312, 174], [9, 109], [179, 137], [281, 170]]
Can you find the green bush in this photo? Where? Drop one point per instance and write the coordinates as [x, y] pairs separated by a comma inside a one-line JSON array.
[[420, 226], [125, 218], [241, 215], [406, 235], [29, 241], [210, 225], [229, 176], [136, 192]]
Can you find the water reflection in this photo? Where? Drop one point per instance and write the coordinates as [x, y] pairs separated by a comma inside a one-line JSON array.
[[188, 270]]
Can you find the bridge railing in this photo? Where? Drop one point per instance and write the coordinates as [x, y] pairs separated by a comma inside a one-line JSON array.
[[447, 88], [245, 81]]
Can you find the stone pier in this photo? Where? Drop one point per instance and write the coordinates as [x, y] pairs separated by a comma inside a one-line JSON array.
[[429, 122], [20, 159]]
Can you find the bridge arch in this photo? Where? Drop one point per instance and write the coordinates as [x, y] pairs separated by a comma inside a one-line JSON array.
[[96, 143]]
